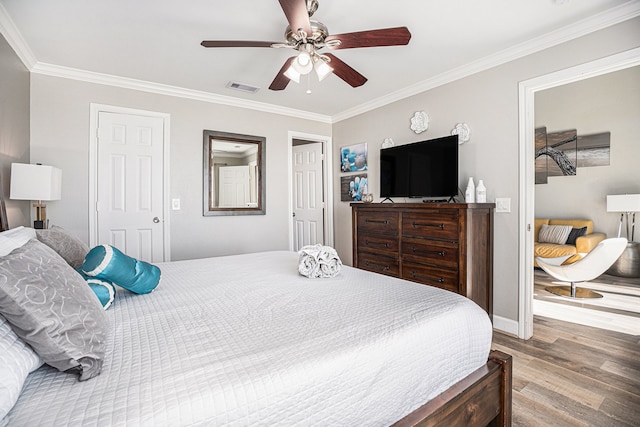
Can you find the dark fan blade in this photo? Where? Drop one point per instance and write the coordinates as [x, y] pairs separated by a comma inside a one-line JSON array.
[[386, 37], [297, 15], [235, 43], [281, 81], [345, 72]]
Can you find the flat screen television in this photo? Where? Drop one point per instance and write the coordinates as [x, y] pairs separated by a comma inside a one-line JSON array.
[[420, 169]]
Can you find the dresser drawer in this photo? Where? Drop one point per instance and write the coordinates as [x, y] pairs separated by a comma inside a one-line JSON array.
[[378, 222], [379, 243], [439, 277], [439, 225], [434, 252], [379, 264]]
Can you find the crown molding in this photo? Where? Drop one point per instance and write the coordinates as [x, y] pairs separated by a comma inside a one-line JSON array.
[[589, 25], [168, 90], [13, 36]]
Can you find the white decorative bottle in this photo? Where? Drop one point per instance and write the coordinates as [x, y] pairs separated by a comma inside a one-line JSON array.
[[481, 193], [470, 193]]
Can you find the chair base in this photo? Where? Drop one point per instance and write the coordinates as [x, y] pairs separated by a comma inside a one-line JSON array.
[[565, 291]]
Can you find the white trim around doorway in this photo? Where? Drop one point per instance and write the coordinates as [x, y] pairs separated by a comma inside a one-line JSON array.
[[526, 118], [327, 152]]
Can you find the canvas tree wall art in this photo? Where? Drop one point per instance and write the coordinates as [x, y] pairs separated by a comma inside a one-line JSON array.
[[562, 153]]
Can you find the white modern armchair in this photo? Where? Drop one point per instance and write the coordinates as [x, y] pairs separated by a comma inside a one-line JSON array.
[[588, 268]]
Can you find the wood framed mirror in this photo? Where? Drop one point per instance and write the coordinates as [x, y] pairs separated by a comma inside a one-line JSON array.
[[233, 174]]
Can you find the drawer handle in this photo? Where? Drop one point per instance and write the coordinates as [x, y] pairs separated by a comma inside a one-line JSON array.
[[378, 266], [427, 224], [376, 221], [418, 251], [428, 279], [368, 243]]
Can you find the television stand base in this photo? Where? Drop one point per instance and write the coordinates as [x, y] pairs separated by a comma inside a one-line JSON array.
[[449, 200], [387, 198]]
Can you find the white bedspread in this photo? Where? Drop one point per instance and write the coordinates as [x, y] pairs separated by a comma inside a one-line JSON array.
[[246, 340]]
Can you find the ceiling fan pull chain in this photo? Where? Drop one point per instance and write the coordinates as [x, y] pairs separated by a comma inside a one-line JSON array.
[[308, 84]]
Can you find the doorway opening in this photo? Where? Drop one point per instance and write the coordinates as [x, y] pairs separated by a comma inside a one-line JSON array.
[[527, 90], [310, 190]]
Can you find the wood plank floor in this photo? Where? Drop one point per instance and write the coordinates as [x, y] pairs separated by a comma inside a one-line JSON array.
[[570, 374]]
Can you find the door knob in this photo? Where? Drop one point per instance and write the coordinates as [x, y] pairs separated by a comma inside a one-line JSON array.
[[156, 219]]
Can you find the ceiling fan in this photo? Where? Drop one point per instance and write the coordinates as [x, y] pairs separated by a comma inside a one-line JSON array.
[[308, 37]]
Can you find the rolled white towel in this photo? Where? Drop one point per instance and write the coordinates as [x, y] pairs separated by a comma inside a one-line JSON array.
[[308, 265], [318, 261]]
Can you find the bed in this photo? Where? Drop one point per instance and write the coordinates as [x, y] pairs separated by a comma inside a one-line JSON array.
[[246, 340]]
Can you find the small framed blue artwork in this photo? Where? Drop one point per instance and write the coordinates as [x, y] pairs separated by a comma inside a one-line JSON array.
[[353, 158], [352, 187]]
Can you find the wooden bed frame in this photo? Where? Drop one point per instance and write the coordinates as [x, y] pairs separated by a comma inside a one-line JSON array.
[[481, 399]]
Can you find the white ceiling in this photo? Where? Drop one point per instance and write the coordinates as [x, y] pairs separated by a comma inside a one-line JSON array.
[[158, 41]]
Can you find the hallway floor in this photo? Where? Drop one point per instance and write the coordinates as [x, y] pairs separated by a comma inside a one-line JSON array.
[[618, 310]]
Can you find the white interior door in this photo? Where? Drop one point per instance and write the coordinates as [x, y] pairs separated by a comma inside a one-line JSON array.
[[130, 184], [308, 200], [234, 186]]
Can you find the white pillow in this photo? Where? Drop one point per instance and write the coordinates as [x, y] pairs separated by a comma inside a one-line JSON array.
[[15, 238], [17, 360]]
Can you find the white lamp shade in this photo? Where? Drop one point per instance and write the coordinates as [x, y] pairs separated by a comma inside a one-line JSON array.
[[35, 182], [322, 69], [623, 203], [303, 63], [292, 74]]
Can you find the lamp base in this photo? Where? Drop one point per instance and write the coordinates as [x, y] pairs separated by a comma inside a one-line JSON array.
[[40, 222]]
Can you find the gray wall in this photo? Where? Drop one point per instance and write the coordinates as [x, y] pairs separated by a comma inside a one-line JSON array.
[[60, 137], [488, 103], [14, 126], [608, 103]]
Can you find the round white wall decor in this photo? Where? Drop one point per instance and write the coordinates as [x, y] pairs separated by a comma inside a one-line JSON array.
[[419, 122], [463, 131]]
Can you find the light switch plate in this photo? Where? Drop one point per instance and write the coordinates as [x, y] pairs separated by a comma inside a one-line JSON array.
[[503, 204], [175, 204]]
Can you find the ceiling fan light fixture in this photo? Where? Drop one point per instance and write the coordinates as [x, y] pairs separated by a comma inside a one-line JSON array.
[[323, 69], [292, 73], [303, 63]]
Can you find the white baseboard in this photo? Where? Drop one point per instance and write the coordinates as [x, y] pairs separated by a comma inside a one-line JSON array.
[[505, 325]]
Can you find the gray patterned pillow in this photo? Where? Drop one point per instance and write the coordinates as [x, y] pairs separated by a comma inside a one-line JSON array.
[[49, 306], [69, 247], [556, 234]]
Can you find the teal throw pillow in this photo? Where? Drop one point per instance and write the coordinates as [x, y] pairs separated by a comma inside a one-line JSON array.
[[104, 289], [109, 263]]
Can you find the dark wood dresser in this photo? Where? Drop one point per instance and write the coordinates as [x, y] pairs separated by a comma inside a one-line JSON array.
[[448, 245]]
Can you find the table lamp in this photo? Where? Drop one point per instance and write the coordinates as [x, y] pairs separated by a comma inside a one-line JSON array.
[[36, 182], [626, 204]]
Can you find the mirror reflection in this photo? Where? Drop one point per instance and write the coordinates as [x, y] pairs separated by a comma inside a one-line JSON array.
[[233, 174]]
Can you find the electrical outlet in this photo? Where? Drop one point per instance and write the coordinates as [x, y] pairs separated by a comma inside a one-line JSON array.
[[503, 204], [175, 204]]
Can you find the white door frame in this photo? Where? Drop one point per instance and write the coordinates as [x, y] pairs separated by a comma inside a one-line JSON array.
[[95, 109], [526, 208], [327, 182]]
